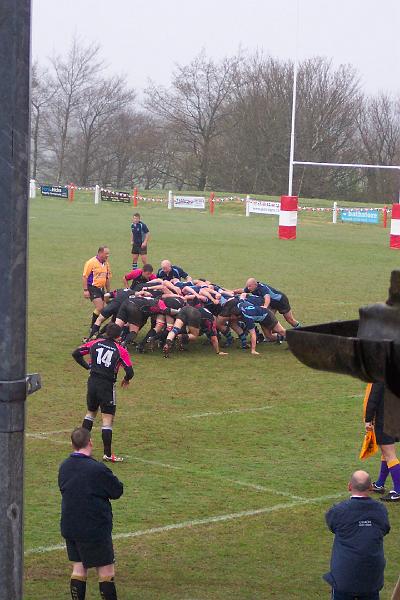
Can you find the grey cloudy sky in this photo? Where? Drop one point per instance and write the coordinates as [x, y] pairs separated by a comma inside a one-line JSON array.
[[145, 38]]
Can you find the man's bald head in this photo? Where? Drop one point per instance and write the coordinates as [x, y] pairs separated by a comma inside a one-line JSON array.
[[166, 265], [360, 482], [251, 284]]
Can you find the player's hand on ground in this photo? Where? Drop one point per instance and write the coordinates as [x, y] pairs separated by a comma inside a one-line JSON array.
[[124, 383], [369, 426]]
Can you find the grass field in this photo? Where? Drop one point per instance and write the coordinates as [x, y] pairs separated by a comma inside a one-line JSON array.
[[232, 461]]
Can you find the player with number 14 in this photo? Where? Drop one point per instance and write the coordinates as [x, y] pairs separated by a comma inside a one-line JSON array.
[[106, 357]]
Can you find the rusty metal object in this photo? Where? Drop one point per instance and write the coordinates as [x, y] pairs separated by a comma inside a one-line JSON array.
[[368, 348]]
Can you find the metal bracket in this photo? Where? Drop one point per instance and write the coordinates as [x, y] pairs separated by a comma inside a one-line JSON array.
[[33, 383]]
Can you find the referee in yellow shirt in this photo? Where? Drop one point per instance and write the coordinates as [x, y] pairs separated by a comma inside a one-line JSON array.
[[96, 279]]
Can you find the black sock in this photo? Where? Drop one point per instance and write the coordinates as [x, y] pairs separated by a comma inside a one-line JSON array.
[[106, 435], [130, 337], [107, 590], [124, 332], [163, 336], [94, 319], [87, 424], [77, 588], [95, 329], [151, 334]]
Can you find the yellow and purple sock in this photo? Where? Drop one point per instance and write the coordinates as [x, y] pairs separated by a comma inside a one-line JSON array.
[[384, 472], [394, 468]]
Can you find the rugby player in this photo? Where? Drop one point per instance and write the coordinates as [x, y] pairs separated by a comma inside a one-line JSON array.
[[96, 279], [136, 310], [273, 299], [139, 237], [169, 271], [105, 359], [191, 322], [138, 277], [110, 310]]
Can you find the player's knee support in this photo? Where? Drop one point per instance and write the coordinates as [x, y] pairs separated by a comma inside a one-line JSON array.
[[176, 330]]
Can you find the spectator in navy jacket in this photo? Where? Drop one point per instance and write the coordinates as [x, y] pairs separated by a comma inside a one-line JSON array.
[[87, 486], [359, 525]]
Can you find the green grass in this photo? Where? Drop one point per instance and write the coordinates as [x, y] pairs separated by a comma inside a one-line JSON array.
[[180, 468]]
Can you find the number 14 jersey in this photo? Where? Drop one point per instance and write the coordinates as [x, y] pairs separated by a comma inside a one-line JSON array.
[[106, 357]]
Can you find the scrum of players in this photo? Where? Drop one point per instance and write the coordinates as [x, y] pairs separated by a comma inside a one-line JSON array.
[[181, 309]]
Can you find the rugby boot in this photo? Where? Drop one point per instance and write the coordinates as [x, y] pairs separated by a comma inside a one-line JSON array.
[[113, 458], [167, 348], [392, 496]]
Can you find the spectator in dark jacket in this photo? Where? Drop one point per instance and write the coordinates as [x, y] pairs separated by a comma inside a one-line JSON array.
[[359, 525], [87, 487]]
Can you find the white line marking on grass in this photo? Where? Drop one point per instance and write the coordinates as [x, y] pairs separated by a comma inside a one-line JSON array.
[[45, 433], [42, 438], [156, 463], [197, 522], [254, 486], [227, 412]]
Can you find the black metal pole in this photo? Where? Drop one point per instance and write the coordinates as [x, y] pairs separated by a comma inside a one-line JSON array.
[[15, 27]]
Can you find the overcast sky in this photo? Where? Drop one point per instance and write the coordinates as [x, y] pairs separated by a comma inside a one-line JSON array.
[[143, 39]]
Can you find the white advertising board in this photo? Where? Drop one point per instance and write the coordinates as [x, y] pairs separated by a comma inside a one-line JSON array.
[[262, 207], [189, 202]]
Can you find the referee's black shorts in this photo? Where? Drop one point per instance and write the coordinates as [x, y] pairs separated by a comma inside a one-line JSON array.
[[91, 554], [95, 292], [101, 394]]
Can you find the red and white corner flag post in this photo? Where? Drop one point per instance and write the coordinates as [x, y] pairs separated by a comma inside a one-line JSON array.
[[288, 218], [395, 227]]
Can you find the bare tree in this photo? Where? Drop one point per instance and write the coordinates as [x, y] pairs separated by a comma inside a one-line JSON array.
[[100, 104], [196, 107], [74, 74], [42, 91], [378, 122]]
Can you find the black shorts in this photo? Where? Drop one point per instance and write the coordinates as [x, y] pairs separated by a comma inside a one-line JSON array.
[[91, 554], [129, 313], [189, 316], [269, 321], [101, 394], [95, 292], [139, 250], [172, 302], [382, 438], [111, 309], [281, 305]]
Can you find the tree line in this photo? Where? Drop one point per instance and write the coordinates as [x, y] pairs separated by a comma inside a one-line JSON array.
[[220, 125]]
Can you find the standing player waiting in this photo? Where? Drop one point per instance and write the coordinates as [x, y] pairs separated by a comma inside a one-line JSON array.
[[106, 357], [140, 237], [96, 280]]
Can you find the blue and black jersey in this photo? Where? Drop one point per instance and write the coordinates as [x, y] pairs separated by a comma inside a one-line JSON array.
[[253, 314], [139, 231], [263, 290], [175, 273]]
